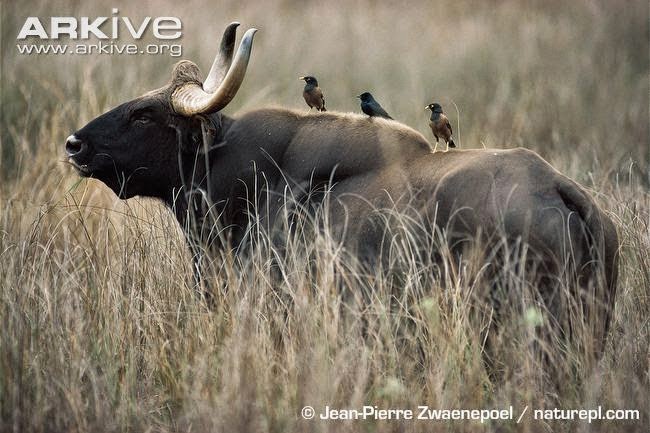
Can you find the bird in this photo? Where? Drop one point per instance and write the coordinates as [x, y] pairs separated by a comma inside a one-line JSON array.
[[313, 94], [440, 125], [372, 107]]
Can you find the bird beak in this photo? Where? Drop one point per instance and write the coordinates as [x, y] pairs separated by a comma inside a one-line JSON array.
[[426, 108], [301, 78]]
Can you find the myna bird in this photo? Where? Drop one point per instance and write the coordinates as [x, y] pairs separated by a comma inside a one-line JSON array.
[[372, 107], [313, 94], [440, 125]]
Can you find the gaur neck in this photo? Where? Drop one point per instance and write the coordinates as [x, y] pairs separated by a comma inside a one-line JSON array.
[[197, 197], [194, 166]]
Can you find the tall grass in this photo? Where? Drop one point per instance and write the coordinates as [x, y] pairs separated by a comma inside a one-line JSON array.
[[102, 328]]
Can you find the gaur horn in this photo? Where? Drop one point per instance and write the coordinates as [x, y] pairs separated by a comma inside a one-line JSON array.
[[222, 60], [220, 87]]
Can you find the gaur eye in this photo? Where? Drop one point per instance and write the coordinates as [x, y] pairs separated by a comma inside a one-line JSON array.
[[142, 116], [141, 119]]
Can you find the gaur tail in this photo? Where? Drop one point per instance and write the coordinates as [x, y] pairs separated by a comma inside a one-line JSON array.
[[452, 144], [598, 268]]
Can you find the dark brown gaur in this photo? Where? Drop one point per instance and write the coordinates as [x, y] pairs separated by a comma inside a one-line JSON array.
[[175, 144]]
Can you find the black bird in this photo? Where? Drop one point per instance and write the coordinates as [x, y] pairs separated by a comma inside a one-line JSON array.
[[313, 94], [440, 125], [372, 107]]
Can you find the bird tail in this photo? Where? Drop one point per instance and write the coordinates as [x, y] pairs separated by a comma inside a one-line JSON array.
[[452, 144]]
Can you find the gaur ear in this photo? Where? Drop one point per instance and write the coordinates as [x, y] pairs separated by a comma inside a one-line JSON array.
[[188, 134], [191, 138]]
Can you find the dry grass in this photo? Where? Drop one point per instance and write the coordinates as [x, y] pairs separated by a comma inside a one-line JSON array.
[[102, 330]]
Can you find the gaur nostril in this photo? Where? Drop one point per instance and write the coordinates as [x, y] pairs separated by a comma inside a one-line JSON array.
[[73, 145]]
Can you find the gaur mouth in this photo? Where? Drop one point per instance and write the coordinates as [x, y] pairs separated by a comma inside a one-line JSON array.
[[82, 169]]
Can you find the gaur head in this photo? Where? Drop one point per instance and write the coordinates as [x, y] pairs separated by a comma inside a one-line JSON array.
[[132, 147]]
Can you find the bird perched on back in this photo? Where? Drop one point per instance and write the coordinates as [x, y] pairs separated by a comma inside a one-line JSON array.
[[372, 107], [313, 94], [440, 125]]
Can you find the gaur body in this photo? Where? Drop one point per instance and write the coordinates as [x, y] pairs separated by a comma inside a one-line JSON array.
[[175, 144]]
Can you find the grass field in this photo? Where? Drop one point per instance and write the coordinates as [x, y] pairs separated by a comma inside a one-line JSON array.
[[102, 329]]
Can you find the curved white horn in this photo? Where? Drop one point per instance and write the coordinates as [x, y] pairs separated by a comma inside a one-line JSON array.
[[190, 99], [222, 60]]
